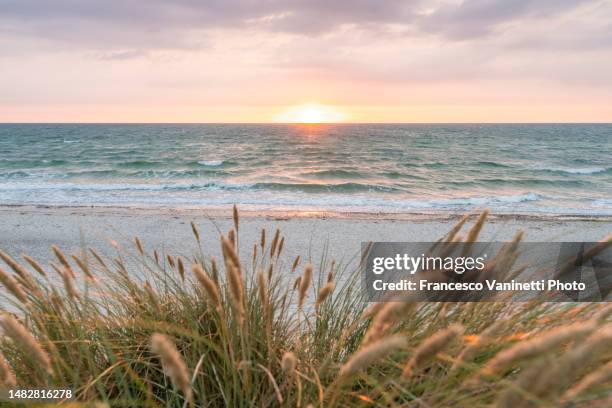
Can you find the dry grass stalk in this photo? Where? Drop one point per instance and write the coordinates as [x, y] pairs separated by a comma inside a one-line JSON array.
[[13, 286], [156, 257], [430, 347], [296, 282], [63, 260], [274, 243], [196, 232], [570, 365], [181, 267], [263, 291], [13, 264], [270, 271], [152, 295], [599, 247], [600, 376], [98, 257], [56, 300], [525, 389], [280, 247], [538, 345], [330, 274], [473, 233], [324, 293], [21, 336], [173, 364], [171, 262], [588, 254], [267, 310], [234, 280], [456, 228], [139, 246], [482, 340], [210, 287], [35, 265], [296, 262], [229, 253], [365, 252], [84, 267], [150, 291], [386, 315], [304, 284], [370, 354], [262, 239], [214, 271], [236, 218], [23, 274], [289, 364], [506, 257], [231, 236], [566, 368], [68, 282], [121, 267], [7, 376]]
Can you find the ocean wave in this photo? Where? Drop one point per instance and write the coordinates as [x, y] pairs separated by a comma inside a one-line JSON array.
[[479, 201], [325, 188], [525, 182], [53, 162], [363, 202], [349, 191], [211, 163], [34, 175], [333, 174], [121, 186], [579, 170], [396, 175], [192, 196], [139, 163], [491, 164], [208, 185], [173, 174]]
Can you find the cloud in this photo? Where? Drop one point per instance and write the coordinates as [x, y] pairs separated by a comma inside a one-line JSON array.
[[275, 51], [475, 18], [122, 55], [163, 24]]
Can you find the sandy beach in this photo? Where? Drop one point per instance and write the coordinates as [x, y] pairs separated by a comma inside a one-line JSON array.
[[32, 230]]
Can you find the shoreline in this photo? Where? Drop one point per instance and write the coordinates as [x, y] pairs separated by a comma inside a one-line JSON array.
[[33, 229], [283, 214]]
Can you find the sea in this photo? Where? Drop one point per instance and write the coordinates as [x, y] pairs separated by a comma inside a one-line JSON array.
[[373, 168]]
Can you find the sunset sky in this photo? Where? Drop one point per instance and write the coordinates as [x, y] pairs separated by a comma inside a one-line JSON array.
[[284, 60]]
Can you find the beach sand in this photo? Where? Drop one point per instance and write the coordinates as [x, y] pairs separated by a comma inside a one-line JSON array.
[[32, 230]]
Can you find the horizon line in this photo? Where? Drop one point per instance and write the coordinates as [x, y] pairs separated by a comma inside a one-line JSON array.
[[306, 123]]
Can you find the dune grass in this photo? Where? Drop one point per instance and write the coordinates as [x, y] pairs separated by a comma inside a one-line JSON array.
[[149, 329]]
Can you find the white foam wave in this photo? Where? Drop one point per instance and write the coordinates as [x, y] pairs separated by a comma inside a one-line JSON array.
[[213, 185], [196, 197], [211, 163], [479, 201], [582, 170]]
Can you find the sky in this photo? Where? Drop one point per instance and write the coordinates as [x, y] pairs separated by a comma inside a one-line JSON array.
[[306, 60]]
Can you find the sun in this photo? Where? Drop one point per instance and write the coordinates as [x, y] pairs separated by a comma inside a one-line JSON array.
[[311, 113]]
